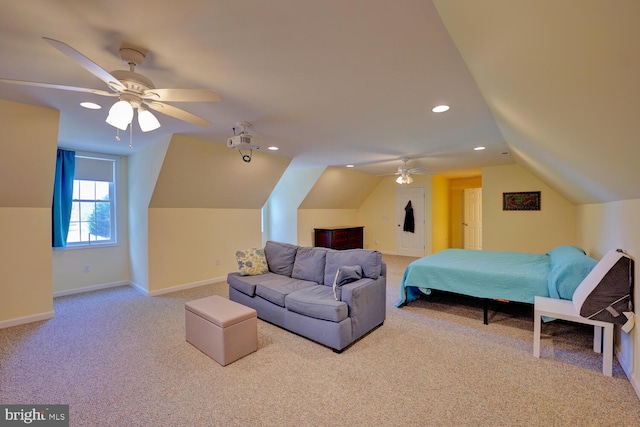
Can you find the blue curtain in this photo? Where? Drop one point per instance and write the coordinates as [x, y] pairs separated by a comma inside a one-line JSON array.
[[62, 197]]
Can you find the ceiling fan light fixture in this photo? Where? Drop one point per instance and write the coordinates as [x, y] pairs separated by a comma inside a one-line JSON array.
[[120, 115], [147, 120], [404, 179]]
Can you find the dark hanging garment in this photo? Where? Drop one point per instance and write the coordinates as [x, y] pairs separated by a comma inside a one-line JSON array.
[[409, 222]]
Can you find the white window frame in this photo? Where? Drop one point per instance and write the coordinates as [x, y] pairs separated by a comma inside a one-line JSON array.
[[113, 193]]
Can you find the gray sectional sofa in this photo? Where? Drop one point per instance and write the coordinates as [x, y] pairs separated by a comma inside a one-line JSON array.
[[298, 293]]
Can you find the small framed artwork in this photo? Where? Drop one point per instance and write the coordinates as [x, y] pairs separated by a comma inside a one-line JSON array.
[[521, 201]]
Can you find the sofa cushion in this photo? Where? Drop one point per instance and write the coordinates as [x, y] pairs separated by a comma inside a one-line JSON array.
[[370, 261], [309, 264], [252, 262], [247, 284], [276, 289], [318, 302], [280, 257], [345, 274]]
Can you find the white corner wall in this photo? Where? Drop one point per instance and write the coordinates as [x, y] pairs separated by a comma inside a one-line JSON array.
[[144, 168], [280, 212], [615, 225]]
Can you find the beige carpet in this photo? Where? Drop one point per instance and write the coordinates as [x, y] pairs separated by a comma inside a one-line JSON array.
[[120, 359]]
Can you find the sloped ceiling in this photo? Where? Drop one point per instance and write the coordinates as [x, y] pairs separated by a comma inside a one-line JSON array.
[[329, 82], [339, 188], [562, 81], [197, 174]]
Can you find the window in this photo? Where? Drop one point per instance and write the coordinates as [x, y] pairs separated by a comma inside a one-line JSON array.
[[93, 218]]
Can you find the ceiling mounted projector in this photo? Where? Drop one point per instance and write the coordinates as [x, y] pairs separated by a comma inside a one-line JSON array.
[[243, 140]]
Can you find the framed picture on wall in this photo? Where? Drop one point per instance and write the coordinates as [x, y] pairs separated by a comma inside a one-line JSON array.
[[521, 201]]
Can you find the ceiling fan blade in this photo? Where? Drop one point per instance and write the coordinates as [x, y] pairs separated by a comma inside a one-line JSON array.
[[178, 113], [62, 87], [181, 95], [416, 170], [87, 64]]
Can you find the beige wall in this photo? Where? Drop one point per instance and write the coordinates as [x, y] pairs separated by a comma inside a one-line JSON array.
[[523, 231], [184, 244], [26, 287], [28, 141], [206, 205], [108, 265], [378, 215], [308, 219], [614, 225], [333, 201]]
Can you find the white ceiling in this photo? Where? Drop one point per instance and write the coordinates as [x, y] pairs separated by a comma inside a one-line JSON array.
[[330, 82], [554, 85]]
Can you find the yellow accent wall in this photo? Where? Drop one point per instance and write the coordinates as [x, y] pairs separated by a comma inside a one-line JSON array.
[[458, 185], [441, 216], [524, 231], [27, 166]]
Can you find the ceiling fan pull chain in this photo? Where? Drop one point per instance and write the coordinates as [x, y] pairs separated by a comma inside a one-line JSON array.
[[131, 136]]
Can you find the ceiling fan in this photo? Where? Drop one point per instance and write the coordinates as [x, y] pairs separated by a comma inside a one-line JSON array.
[[404, 172], [134, 91]]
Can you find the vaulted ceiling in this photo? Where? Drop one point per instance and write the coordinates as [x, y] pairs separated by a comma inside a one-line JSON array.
[[550, 85]]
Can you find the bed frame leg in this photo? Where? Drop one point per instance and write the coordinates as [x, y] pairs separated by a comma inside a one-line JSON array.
[[486, 311]]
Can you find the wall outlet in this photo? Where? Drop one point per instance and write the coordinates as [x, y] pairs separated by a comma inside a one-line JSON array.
[[86, 268], [217, 261], [377, 242]]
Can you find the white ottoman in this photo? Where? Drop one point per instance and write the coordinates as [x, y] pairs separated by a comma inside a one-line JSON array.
[[222, 329]]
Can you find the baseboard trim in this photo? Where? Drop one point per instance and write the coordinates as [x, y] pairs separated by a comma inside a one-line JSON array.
[[186, 286], [27, 319], [89, 288], [626, 367]]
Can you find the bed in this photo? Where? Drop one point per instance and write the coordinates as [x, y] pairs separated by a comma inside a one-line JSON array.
[[493, 275]]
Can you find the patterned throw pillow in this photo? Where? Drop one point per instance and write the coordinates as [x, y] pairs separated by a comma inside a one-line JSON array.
[[252, 262]]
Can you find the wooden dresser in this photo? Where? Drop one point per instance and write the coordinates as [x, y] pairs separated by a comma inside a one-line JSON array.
[[339, 237]]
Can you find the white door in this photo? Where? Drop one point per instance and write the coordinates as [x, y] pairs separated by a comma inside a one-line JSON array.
[[407, 243], [472, 223]]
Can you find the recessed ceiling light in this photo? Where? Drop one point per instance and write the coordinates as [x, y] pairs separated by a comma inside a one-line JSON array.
[[272, 148], [350, 166], [480, 148], [90, 105], [440, 108]]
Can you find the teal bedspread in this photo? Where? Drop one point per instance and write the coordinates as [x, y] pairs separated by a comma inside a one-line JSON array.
[[511, 276]]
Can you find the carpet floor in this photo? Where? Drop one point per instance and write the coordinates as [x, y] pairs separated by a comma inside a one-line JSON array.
[[119, 358]]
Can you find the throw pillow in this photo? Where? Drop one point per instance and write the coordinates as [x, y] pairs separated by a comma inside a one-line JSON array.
[[345, 274], [280, 257], [252, 262], [309, 264]]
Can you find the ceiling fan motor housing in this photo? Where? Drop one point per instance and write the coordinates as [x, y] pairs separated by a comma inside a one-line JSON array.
[[133, 81]]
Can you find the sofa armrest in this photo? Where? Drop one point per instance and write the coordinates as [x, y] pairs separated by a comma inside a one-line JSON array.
[[367, 301]]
